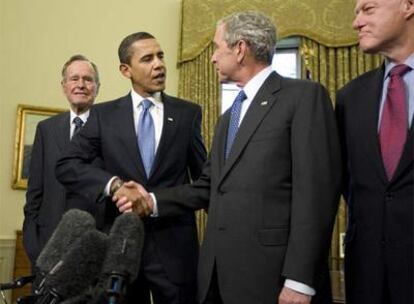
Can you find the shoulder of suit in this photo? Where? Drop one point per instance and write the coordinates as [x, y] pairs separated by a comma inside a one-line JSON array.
[[287, 82], [179, 102], [51, 121], [361, 80], [112, 103]]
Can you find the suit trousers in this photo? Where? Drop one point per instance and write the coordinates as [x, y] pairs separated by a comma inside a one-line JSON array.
[[153, 277]]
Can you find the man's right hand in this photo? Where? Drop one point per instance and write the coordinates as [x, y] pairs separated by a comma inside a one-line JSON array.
[[132, 197]]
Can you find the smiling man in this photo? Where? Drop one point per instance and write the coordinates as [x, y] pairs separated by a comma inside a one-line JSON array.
[[375, 116], [46, 198], [154, 139]]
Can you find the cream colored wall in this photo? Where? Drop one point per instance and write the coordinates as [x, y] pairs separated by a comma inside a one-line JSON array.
[[37, 37]]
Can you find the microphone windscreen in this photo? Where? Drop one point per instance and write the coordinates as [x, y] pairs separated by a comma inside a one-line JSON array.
[[79, 267], [74, 223], [125, 242]]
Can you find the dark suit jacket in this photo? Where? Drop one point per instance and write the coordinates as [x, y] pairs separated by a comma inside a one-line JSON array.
[[110, 134], [380, 235], [46, 198], [271, 204]]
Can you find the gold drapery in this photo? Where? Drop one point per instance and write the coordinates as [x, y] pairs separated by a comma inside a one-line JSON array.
[[315, 19], [334, 67], [198, 82]]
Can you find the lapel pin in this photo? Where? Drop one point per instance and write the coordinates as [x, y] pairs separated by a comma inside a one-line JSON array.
[[170, 119], [264, 103]]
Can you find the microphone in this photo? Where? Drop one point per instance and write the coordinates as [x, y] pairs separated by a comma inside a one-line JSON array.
[[122, 260], [77, 270], [72, 226]]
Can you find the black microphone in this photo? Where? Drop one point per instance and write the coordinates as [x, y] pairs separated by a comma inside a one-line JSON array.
[[78, 269], [122, 260], [72, 226]]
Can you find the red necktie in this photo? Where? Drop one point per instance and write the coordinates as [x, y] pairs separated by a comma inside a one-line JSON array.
[[394, 121]]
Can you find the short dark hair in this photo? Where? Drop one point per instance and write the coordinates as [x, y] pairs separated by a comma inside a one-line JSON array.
[[124, 50], [79, 57]]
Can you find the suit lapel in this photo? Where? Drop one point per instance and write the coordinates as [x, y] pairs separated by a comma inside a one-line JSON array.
[[62, 131], [124, 118], [260, 106], [370, 105], [407, 156], [170, 122]]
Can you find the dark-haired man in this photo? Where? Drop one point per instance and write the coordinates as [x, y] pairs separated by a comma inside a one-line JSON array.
[[154, 139], [271, 184], [46, 198]]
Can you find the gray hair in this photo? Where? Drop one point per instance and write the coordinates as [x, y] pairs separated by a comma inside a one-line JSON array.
[[256, 29], [79, 57]]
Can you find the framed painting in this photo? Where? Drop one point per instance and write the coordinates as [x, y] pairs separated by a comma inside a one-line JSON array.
[[27, 119]]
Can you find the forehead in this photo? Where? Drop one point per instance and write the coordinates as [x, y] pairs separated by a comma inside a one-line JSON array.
[[220, 30], [145, 46], [80, 67], [361, 3]]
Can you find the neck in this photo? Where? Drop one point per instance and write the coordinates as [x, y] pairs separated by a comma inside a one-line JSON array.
[[248, 72]]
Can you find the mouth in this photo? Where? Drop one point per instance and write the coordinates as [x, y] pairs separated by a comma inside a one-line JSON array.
[[160, 78]]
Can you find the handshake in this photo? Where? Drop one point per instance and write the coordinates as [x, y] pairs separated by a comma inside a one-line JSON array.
[[131, 197]]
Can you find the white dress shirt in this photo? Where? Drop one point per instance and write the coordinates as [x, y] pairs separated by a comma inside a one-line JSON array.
[[84, 116], [157, 114]]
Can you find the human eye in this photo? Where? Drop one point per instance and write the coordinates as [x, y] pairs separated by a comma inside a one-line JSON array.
[[88, 79], [146, 59], [368, 9]]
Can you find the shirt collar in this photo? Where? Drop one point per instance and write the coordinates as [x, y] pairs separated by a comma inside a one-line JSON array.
[[390, 64], [155, 98], [84, 116], [253, 85]]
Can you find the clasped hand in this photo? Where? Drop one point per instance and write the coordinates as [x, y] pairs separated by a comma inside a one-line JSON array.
[[132, 197]]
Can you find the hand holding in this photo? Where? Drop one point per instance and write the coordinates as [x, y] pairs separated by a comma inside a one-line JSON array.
[[132, 197]]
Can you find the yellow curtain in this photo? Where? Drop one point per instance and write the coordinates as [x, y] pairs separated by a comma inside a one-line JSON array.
[[316, 19], [334, 67], [199, 83]]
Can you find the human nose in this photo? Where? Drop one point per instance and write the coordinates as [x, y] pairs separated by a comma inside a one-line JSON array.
[[213, 58], [80, 83], [159, 62], [356, 24]]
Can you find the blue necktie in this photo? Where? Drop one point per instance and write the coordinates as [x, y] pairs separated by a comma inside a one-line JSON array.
[[234, 121], [146, 136], [78, 122]]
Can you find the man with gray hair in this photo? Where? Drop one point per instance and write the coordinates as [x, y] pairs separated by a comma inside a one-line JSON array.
[[46, 198], [271, 184]]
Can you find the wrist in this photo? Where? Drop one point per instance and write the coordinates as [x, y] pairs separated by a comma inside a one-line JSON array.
[[115, 185]]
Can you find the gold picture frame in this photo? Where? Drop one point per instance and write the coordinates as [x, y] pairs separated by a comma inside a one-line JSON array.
[[27, 119]]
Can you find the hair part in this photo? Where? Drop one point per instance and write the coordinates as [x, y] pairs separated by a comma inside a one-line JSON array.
[[256, 29], [124, 51], [79, 57]]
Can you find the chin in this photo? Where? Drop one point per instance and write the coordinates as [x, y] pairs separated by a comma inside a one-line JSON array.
[[368, 47]]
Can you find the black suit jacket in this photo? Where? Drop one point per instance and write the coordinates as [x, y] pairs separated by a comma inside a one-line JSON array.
[[110, 134], [380, 235], [271, 204], [46, 198]]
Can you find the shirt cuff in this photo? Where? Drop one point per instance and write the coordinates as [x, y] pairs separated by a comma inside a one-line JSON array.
[[107, 190], [155, 206], [300, 287]]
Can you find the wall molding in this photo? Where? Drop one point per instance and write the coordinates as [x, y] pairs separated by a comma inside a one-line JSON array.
[[7, 250]]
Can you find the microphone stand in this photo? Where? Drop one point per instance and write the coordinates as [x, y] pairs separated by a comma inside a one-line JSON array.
[[18, 283]]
